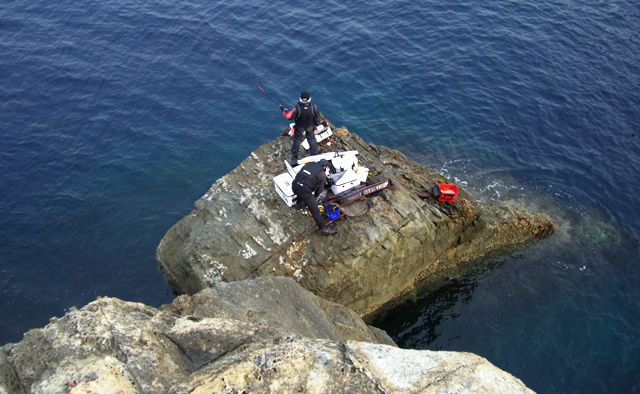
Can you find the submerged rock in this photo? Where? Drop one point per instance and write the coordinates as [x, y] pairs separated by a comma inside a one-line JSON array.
[[242, 229], [261, 335]]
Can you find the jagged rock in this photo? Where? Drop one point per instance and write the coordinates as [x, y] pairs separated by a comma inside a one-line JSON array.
[[260, 335], [320, 366], [241, 229], [278, 302]]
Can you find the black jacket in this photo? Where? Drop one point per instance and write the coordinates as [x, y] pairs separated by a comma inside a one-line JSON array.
[[313, 177], [306, 116]]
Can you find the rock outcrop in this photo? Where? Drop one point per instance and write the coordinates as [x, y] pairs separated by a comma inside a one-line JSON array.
[[242, 229], [261, 312], [253, 336]]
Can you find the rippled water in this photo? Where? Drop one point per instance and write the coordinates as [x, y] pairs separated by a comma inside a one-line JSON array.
[[115, 119]]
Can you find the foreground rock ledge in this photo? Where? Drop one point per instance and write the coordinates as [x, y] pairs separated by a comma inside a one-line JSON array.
[[266, 335], [241, 229]]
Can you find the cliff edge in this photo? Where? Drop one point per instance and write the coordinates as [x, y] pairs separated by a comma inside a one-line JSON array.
[[266, 335]]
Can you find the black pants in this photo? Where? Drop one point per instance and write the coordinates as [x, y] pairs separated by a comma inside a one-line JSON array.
[[305, 195], [299, 136]]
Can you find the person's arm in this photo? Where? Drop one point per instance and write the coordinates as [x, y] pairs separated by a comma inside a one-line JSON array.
[[322, 180], [289, 114], [317, 120]]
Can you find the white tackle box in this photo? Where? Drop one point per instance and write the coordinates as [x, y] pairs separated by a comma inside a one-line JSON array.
[[323, 134], [283, 183], [344, 181]]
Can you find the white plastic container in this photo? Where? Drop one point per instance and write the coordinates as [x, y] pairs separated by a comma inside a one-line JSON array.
[[283, 183], [344, 181], [323, 134], [345, 161], [362, 173]]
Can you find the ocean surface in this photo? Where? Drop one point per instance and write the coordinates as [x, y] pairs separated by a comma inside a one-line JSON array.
[[115, 119]]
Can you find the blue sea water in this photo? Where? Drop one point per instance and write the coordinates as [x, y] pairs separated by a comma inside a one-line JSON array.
[[115, 119]]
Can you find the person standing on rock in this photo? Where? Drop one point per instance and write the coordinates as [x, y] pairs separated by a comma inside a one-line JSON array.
[[310, 181], [307, 118]]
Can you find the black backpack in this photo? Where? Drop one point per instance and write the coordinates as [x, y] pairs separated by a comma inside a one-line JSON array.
[[313, 112]]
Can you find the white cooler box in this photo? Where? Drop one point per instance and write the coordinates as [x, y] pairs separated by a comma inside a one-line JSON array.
[[283, 187], [344, 181], [363, 173], [322, 135], [349, 179]]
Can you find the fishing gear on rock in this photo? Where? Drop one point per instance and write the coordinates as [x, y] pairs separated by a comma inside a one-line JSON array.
[[304, 181]]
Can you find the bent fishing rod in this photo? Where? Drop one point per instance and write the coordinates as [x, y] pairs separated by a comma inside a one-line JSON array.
[[227, 60]]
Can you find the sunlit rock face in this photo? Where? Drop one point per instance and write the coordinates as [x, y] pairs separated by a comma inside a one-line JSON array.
[[256, 336], [242, 229]]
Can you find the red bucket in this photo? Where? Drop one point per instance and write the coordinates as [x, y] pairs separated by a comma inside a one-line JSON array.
[[445, 192]]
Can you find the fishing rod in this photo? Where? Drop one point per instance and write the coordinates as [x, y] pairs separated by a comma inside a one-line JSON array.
[[227, 60]]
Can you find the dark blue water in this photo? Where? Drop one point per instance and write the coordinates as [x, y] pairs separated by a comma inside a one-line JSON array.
[[114, 119]]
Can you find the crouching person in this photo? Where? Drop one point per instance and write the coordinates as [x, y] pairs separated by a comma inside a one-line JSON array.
[[310, 181]]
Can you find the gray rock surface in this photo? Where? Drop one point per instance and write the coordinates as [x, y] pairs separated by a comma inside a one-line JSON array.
[[254, 336], [242, 229], [261, 313]]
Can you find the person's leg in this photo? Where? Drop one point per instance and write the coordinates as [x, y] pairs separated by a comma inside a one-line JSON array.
[[313, 144], [304, 196], [298, 189], [298, 137], [313, 209]]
